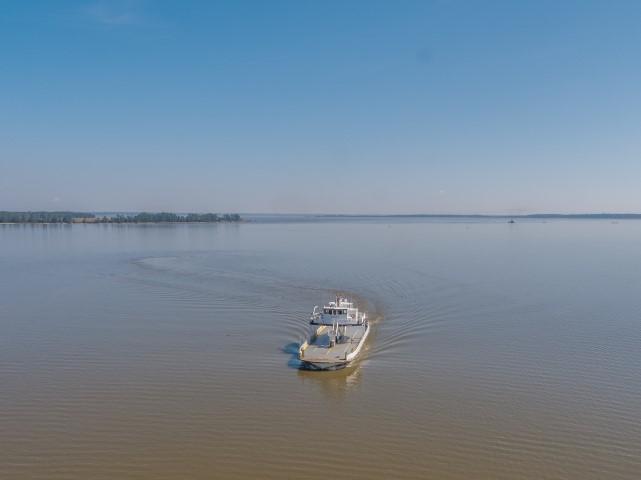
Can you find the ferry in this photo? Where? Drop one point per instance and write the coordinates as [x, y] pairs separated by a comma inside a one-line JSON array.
[[339, 333]]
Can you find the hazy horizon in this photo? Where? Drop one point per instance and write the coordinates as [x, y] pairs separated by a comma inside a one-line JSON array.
[[360, 214], [313, 107]]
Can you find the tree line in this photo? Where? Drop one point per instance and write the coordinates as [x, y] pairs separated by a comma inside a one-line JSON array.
[[166, 217], [144, 217], [42, 217]]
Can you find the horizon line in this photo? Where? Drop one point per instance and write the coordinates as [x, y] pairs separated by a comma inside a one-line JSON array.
[[407, 215]]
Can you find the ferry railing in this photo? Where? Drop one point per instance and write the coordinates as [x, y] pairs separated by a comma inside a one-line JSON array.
[[316, 314]]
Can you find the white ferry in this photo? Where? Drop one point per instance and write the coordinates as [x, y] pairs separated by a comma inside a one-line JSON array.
[[338, 338]]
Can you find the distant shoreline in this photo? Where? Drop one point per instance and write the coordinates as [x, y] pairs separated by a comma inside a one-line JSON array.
[[142, 218], [610, 216], [67, 217], [116, 223]]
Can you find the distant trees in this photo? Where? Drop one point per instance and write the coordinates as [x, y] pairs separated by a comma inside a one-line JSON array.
[[42, 217], [144, 217], [166, 217]]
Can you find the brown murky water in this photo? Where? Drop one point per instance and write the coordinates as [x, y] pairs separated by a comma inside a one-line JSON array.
[[166, 352]]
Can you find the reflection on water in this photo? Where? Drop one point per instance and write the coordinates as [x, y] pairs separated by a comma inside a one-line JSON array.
[[333, 384], [497, 351]]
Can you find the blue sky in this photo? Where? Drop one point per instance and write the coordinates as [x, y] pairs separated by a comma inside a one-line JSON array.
[[321, 106]]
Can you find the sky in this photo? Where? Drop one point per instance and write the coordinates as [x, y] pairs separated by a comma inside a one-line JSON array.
[[504, 107]]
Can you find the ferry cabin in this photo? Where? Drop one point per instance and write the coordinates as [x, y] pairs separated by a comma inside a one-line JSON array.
[[340, 312]]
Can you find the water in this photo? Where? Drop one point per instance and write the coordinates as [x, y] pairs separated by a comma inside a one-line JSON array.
[[169, 351]]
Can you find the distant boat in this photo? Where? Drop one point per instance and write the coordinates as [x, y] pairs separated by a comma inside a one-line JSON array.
[[511, 221], [339, 336]]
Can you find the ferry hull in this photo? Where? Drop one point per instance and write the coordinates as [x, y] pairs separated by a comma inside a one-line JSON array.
[[323, 366]]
